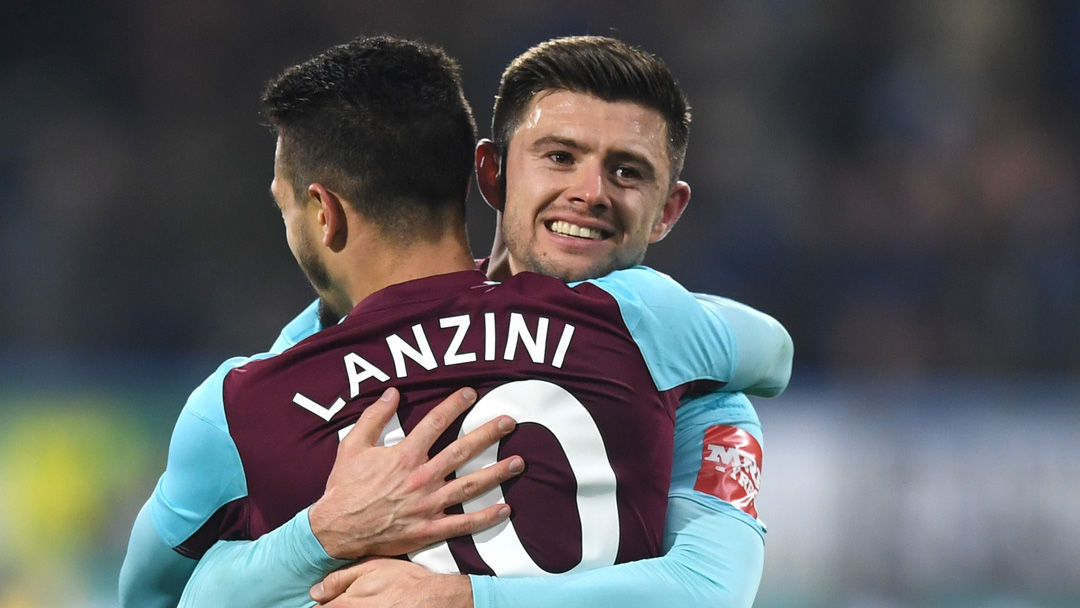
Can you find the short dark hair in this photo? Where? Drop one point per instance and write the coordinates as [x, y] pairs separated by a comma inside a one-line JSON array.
[[384, 122], [603, 67]]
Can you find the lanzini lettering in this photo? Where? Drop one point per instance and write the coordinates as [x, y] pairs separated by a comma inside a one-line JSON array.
[[417, 349]]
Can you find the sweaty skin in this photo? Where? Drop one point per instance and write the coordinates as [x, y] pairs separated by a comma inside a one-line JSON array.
[[591, 187], [587, 201]]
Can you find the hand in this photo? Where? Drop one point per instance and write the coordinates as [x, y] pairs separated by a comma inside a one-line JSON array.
[[391, 500], [391, 583]]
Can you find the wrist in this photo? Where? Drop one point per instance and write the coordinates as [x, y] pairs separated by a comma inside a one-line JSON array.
[[333, 541], [457, 591]]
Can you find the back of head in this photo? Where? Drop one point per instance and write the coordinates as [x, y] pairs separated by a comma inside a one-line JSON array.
[[605, 68], [384, 123]]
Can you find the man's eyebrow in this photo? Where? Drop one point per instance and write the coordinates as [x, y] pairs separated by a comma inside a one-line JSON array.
[[559, 140], [648, 168]]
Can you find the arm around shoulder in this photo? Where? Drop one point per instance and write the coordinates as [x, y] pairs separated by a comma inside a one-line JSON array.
[[764, 348], [685, 336], [154, 572], [152, 575], [713, 561], [713, 551], [275, 571]]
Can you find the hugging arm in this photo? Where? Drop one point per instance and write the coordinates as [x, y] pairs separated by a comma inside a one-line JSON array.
[[713, 550], [153, 575], [379, 500], [156, 565]]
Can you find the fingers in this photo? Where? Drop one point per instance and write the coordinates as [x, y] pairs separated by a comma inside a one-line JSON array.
[[333, 585], [464, 449], [468, 487], [373, 420], [440, 417], [336, 583], [470, 523]]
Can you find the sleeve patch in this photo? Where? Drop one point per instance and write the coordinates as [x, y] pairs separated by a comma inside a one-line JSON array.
[[731, 467]]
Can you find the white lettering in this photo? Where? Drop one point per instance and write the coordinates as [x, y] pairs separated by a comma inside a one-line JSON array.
[[489, 336], [723, 455], [743, 465], [462, 324], [358, 369], [560, 412], [326, 413], [399, 349], [564, 343], [519, 331], [354, 363]]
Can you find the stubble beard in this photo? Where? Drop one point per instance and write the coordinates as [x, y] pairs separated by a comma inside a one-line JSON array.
[[319, 277], [528, 259]]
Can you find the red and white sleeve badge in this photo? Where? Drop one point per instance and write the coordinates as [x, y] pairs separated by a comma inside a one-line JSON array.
[[731, 467]]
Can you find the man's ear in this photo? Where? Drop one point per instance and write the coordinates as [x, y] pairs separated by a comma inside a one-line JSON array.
[[331, 216], [489, 174], [673, 208]]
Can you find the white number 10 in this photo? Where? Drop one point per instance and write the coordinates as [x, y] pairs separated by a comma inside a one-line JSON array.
[[549, 405]]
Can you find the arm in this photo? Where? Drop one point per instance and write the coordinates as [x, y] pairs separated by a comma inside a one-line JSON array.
[[153, 574], [764, 348], [714, 551], [152, 587], [685, 336], [275, 570], [185, 498], [714, 561], [378, 501]]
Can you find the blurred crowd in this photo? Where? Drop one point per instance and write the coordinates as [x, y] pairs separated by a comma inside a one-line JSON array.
[[898, 183]]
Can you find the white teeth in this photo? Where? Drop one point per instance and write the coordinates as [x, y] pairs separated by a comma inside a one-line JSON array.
[[561, 227]]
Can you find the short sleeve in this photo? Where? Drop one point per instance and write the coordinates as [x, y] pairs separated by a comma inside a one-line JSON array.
[[204, 471]]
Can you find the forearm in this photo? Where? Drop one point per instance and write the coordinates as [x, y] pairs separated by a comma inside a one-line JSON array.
[[277, 570], [713, 551], [153, 575], [714, 561]]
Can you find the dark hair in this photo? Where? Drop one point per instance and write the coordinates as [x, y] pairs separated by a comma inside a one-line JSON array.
[[384, 122], [595, 65]]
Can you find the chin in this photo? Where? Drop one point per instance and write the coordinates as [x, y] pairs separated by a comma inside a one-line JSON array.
[[575, 270]]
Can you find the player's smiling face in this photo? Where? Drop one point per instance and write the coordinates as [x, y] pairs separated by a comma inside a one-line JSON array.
[[587, 186]]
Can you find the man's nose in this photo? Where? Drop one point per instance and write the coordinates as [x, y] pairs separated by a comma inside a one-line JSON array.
[[589, 187]]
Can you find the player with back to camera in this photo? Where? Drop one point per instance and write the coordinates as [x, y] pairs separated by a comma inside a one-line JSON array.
[[570, 115], [706, 539], [324, 268]]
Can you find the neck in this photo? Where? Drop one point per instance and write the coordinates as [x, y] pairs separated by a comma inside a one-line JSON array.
[[381, 262]]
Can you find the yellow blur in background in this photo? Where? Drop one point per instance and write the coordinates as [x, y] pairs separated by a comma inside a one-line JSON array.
[[72, 469]]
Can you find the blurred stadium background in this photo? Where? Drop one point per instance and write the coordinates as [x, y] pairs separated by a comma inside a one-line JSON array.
[[899, 183]]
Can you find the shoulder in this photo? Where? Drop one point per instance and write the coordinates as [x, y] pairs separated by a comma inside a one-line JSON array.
[[202, 428], [303, 325], [643, 285], [681, 339], [646, 296], [206, 401], [186, 495]]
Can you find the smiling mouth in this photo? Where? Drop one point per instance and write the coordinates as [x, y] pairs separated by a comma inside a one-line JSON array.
[[568, 229]]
